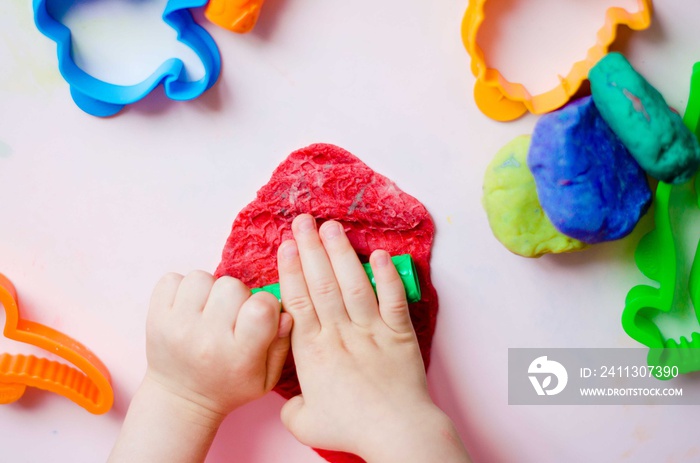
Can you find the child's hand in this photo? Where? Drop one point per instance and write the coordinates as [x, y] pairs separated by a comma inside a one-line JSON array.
[[359, 365], [211, 347], [212, 344]]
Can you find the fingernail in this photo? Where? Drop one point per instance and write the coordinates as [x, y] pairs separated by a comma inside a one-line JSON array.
[[306, 223], [331, 230], [288, 249], [381, 258]]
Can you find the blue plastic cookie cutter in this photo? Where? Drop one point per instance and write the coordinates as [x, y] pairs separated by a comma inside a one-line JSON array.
[[103, 99]]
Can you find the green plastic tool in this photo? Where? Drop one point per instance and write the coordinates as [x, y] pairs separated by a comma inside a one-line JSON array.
[[691, 118], [404, 265], [657, 257]]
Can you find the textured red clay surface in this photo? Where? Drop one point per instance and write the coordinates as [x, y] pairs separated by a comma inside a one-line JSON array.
[[330, 183]]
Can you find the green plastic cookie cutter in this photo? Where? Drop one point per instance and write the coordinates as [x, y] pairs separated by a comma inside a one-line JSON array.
[[404, 265], [657, 256], [691, 118]]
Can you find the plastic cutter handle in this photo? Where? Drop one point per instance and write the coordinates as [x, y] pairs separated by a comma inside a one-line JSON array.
[[404, 265]]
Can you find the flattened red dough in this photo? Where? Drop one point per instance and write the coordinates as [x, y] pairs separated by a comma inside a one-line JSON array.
[[329, 183]]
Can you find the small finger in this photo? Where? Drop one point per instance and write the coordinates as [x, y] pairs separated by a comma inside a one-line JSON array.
[[285, 325], [163, 295], [193, 292], [225, 299], [278, 351], [318, 272], [162, 300], [391, 294], [257, 323], [358, 296], [295, 295]]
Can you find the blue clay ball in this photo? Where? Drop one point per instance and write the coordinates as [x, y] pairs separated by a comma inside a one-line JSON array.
[[587, 182]]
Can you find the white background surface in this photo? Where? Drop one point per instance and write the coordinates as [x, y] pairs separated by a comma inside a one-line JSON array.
[[94, 211]]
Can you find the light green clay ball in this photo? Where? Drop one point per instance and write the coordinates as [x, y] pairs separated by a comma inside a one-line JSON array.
[[513, 209]]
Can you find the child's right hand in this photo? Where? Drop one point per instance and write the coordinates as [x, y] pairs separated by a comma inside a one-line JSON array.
[[359, 365]]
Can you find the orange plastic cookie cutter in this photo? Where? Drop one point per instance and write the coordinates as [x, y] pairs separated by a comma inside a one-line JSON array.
[[235, 15], [88, 385], [503, 100]]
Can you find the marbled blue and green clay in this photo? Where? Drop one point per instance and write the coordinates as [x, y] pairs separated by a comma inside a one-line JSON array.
[[638, 114]]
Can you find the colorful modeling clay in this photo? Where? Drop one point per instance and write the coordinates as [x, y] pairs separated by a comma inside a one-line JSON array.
[[330, 183], [639, 115], [100, 98], [514, 212], [588, 184], [85, 380], [503, 100], [235, 15]]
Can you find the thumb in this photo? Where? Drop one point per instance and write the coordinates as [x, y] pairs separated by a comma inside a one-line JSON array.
[[291, 413], [278, 350]]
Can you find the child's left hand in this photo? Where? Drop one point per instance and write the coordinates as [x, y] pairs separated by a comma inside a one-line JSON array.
[[211, 347], [213, 344]]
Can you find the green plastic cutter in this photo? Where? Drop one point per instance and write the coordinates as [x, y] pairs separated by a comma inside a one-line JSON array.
[[404, 265], [657, 257]]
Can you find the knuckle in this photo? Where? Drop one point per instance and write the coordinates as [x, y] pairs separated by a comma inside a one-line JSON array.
[[298, 304], [325, 287], [357, 290], [205, 351], [396, 306], [199, 275], [265, 298], [262, 304], [171, 277], [316, 351], [390, 279], [231, 284], [171, 339]]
